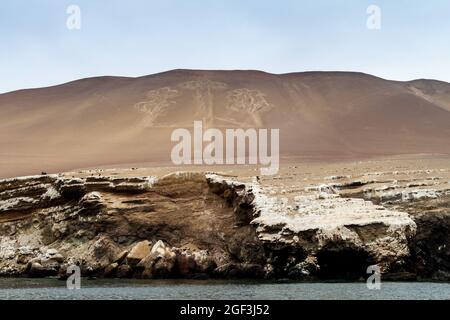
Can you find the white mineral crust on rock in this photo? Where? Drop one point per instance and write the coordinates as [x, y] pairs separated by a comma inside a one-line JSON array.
[[323, 219]]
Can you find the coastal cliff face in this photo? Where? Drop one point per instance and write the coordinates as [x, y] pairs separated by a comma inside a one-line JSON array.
[[196, 225]]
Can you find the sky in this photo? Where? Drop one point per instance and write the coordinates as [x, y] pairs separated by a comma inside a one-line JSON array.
[[141, 37]]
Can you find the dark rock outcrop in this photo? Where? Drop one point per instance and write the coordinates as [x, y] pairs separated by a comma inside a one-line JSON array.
[[192, 225]]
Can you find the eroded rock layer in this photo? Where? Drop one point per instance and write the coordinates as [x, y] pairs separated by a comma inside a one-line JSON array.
[[200, 225]]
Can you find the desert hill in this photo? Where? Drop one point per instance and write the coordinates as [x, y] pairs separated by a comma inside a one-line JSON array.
[[118, 120]]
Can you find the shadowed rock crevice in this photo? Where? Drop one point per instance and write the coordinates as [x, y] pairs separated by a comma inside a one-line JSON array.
[[343, 263]]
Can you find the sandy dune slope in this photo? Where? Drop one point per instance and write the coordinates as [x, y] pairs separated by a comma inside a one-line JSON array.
[[116, 120]]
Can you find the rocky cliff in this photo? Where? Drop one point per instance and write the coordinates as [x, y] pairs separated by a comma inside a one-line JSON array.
[[196, 225]]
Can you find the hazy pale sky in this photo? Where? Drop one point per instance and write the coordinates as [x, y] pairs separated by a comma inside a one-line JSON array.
[[140, 37]]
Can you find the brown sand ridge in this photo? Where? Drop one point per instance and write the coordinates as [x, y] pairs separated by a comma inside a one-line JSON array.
[[116, 120]]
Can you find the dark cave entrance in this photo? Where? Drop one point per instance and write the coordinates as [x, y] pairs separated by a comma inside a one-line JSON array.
[[343, 264]]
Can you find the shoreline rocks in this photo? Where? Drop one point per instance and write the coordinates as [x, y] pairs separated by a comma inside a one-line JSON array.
[[192, 225]]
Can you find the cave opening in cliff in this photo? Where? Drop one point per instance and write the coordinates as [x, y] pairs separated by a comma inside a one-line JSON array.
[[343, 264]]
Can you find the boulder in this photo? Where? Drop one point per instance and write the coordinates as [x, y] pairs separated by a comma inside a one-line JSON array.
[[159, 248], [24, 255], [52, 256], [124, 271], [159, 263], [52, 252], [110, 270], [102, 253], [50, 263], [138, 252], [37, 270], [58, 258], [121, 256]]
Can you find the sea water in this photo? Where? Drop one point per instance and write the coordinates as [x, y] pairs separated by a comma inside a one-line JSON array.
[[215, 289]]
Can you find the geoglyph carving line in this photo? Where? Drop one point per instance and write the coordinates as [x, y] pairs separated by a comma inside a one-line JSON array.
[[249, 101], [204, 98], [156, 104]]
